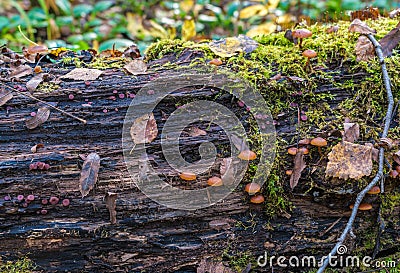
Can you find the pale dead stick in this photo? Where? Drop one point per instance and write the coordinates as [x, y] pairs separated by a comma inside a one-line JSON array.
[[45, 103]]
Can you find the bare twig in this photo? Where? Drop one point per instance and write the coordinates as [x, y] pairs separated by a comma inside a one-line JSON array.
[[45, 103], [379, 175]]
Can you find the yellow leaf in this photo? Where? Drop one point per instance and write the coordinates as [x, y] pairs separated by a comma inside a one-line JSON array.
[[134, 25], [188, 30], [265, 29], [186, 5], [285, 19], [273, 4], [158, 31], [171, 33], [252, 11]]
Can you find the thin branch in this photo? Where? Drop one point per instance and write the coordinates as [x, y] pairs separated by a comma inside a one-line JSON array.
[[379, 175], [45, 103]]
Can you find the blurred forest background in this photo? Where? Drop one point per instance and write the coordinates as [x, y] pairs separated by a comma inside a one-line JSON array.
[[101, 24]]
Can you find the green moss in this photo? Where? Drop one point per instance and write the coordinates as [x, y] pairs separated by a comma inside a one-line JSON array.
[[22, 265]]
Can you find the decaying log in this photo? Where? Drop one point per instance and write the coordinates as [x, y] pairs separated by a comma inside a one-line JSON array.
[[147, 237]]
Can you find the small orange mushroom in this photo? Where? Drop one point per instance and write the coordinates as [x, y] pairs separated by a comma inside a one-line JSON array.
[[319, 142], [252, 188], [257, 199], [304, 141], [292, 151], [374, 190], [289, 172], [309, 54], [304, 150], [214, 181], [187, 176], [215, 62], [247, 155], [301, 34], [363, 206]]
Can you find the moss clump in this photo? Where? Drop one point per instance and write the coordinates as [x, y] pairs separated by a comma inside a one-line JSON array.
[[22, 265]]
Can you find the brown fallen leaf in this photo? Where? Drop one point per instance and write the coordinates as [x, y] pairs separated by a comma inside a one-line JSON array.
[[195, 131], [5, 96], [361, 27], [332, 29], [33, 83], [41, 117], [299, 166], [136, 67], [226, 162], [375, 151], [210, 266], [35, 148], [146, 124], [21, 71], [364, 49], [396, 157], [367, 13], [89, 173], [83, 74], [349, 160], [390, 41], [351, 132], [394, 13], [111, 198]]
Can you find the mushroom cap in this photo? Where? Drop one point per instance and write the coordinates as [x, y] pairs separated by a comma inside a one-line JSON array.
[[309, 53], [65, 202], [374, 190], [214, 181], [289, 172], [319, 141], [257, 199], [292, 151], [304, 141], [54, 200], [30, 197], [188, 176], [252, 188], [363, 206], [304, 150], [301, 33], [247, 155]]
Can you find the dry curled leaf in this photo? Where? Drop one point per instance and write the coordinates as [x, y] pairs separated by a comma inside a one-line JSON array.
[[394, 13], [35, 148], [41, 117], [110, 199], [361, 27], [396, 157], [21, 71], [33, 83], [375, 151], [367, 13], [349, 160], [144, 129], [364, 49], [351, 132], [136, 67], [5, 96], [82, 74], [131, 52], [332, 29], [299, 166], [210, 266], [89, 173], [195, 131], [390, 41]]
